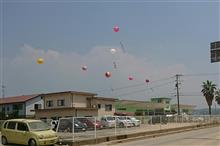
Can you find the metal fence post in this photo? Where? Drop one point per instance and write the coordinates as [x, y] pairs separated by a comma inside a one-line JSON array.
[[151, 120], [115, 126], [182, 119], [73, 129], [160, 121], [95, 127], [126, 123]]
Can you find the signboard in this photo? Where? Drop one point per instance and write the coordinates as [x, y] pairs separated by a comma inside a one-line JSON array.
[[215, 51]]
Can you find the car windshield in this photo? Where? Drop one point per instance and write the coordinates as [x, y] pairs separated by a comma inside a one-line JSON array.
[[122, 118], [38, 126], [133, 118], [110, 118]]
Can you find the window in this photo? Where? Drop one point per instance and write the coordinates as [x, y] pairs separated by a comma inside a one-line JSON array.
[[11, 125], [17, 107], [22, 127], [108, 107], [122, 109], [60, 102], [159, 100], [99, 106], [5, 124], [49, 103], [167, 102], [37, 106]]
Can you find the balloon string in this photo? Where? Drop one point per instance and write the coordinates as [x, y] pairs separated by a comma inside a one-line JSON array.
[[122, 47]]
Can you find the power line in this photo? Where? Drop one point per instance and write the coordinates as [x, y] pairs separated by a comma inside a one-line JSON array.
[[201, 74], [135, 85], [142, 90]]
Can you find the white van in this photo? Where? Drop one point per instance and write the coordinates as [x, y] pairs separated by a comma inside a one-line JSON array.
[[108, 121]]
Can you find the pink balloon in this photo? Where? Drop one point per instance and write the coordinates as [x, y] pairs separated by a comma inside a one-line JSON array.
[[116, 28], [84, 68], [108, 74], [130, 78]]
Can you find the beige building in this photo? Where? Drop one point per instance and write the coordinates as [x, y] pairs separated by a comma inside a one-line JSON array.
[[74, 104]]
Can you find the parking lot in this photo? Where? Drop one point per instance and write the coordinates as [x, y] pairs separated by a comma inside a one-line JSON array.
[[119, 131]]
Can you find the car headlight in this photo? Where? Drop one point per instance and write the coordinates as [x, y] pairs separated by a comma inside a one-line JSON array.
[[41, 137]]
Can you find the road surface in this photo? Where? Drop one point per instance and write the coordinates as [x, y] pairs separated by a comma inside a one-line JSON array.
[[202, 137]]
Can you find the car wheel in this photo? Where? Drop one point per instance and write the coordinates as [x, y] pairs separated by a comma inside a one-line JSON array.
[[121, 125], [4, 140], [32, 142]]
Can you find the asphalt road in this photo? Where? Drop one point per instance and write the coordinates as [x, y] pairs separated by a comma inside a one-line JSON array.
[[202, 137]]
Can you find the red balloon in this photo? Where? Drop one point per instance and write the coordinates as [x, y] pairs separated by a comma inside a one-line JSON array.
[[108, 74], [84, 68], [116, 28], [147, 81], [130, 78]]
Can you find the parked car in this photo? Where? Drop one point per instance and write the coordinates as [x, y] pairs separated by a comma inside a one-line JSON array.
[[158, 119], [54, 124], [27, 132], [90, 123], [97, 123], [66, 125], [123, 121], [134, 121], [108, 121]]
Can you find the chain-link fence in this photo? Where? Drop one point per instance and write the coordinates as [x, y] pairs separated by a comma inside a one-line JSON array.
[[82, 128]]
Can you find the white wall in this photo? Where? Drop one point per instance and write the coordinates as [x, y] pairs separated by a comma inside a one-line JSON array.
[[80, 100], [30, 105]]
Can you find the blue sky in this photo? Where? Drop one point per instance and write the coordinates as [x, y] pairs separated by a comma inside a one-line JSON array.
[[161, 39]]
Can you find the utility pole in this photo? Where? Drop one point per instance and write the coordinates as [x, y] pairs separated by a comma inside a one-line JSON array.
[[177, 92], [3, 91], [3, 96]]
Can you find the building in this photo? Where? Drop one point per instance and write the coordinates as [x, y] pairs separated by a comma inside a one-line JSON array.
[[74, 104], [134, 107], [156, 106], [20, 106], [106, 106], [188, 109], [166, 108]]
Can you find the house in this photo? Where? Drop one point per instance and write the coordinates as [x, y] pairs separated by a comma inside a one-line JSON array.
[[20, 106], [106, 106], [74, 104]]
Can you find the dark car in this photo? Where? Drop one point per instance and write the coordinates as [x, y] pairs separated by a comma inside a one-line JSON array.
[[158, 119], [90, 123], [66, 125]]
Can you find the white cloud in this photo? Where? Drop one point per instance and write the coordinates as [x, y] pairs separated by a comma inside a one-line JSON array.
[[62, 71]]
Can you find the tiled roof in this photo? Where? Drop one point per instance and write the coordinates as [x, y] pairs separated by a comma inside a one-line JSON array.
[[72, 92], [105, 98], [17, 99]]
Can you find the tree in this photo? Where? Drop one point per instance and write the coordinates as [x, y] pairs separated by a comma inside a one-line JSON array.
[[208, 90], [217, 96]]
